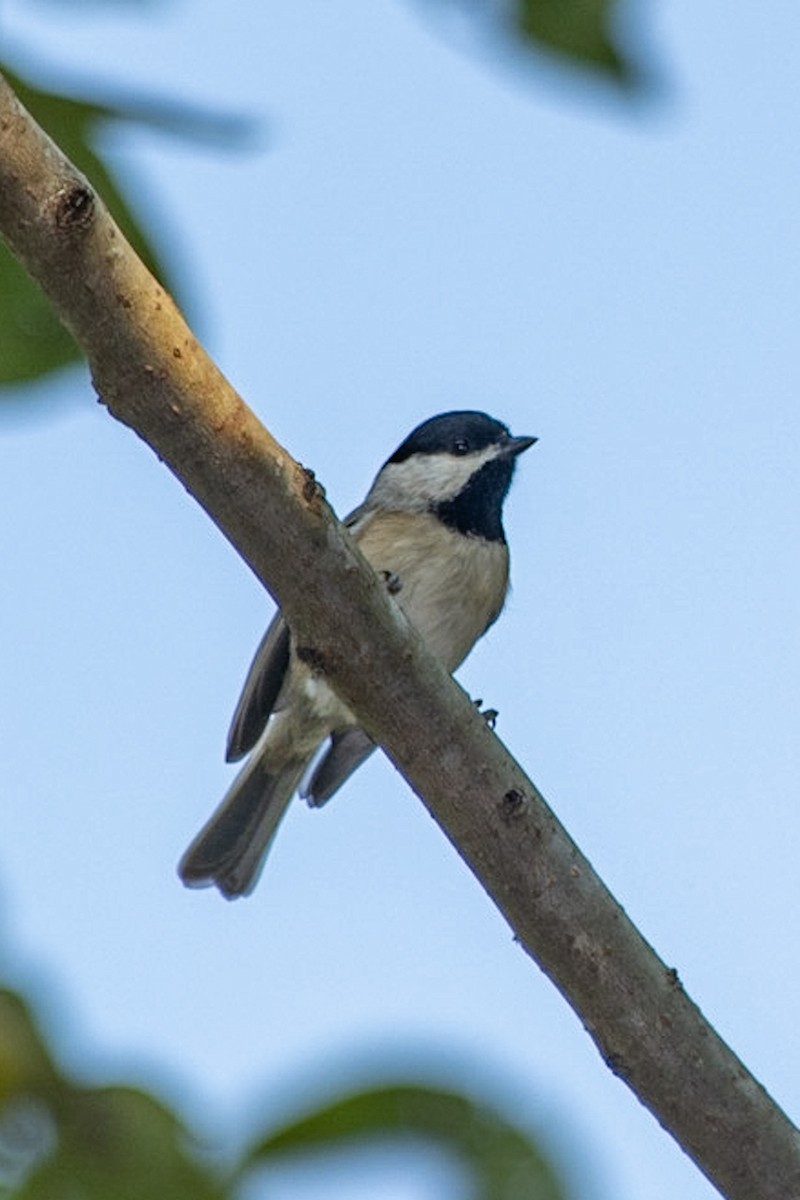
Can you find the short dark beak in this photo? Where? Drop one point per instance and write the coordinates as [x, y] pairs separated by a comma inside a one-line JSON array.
[[516, 445]]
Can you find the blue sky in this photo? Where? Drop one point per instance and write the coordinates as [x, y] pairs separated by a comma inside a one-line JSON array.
[[423, 230]]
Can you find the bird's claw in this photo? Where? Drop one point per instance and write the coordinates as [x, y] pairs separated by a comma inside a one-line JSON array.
[[489, 715], [394, 583]]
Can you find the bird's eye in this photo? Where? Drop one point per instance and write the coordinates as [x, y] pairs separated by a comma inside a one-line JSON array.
[[461, 446]]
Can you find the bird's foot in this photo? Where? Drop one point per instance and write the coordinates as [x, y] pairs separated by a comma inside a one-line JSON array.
[[489, 715], [394, 583]]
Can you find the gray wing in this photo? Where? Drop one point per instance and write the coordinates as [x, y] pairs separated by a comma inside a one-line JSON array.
[[260, 692], [265, 680], [356, 518], [348, 749]]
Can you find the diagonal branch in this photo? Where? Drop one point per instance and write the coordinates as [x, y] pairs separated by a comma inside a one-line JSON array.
[[153, 376]]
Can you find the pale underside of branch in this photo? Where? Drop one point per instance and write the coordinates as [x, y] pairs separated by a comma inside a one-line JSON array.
[[152, 375]]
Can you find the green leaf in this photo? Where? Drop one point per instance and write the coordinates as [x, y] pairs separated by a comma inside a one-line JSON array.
[[62, 1140], [26, 1067], [120, 1143], [59, 1140], [579, 30], [33, 343], [502, 1162], [32, 340]]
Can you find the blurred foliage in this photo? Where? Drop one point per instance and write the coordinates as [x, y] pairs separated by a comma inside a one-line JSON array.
[[63, 1140], [499, 1160], [33, 343], [60, 1140], [580, 31]]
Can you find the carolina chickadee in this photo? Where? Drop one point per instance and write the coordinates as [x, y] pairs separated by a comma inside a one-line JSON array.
[[432, 526]]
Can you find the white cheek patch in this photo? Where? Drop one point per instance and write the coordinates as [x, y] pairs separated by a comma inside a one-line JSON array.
[[426, 478]]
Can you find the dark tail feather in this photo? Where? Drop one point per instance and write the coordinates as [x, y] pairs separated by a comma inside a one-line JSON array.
[[347, 750], [230, 849]]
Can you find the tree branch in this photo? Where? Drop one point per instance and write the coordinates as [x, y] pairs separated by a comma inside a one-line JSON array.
[[153, 376]]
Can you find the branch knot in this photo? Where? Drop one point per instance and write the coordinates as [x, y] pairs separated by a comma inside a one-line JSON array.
[[73, 207]]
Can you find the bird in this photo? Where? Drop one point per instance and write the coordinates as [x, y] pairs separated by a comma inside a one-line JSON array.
[[432, 526]]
